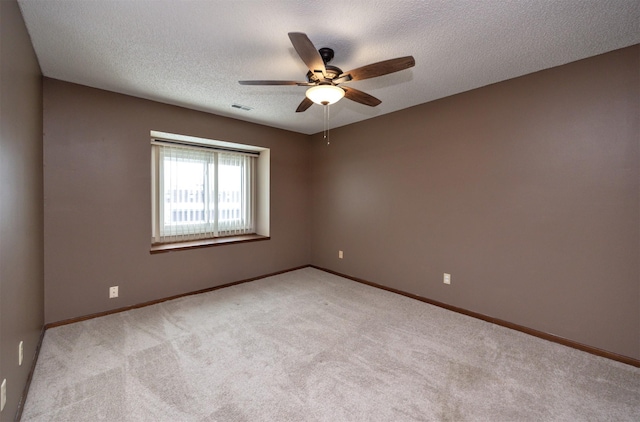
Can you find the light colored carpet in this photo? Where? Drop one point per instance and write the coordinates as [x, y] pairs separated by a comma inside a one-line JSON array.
[[309, 346]]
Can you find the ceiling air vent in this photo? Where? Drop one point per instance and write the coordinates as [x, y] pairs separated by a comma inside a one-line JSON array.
[[242, 107]]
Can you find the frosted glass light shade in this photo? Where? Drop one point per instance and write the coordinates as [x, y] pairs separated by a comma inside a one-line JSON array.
[[325, 94]]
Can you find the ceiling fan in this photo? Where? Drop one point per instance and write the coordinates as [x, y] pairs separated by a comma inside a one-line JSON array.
[[326, 80]]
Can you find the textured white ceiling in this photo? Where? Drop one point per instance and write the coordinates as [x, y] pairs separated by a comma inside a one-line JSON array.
[[192, 53]]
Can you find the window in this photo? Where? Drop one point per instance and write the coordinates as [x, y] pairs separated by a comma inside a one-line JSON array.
[[204, 191]]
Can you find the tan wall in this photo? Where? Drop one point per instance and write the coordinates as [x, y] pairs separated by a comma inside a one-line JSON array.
[[21, 209], [98, 206], [526, 191]]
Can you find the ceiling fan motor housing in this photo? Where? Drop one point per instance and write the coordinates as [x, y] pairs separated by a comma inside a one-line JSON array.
[[332, 73]]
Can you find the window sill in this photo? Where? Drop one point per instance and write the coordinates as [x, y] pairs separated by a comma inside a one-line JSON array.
[[205, 243]]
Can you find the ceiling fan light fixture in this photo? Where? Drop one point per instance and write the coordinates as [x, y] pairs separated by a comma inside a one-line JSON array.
[[325, 94]]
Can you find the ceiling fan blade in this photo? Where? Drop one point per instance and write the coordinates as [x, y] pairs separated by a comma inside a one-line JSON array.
[[342, 79], [305, 104], [360, 97], [308, 53], [380, 68], [275, 83]]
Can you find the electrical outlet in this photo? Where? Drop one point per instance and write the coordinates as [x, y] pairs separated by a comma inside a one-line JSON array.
[[340, 254], [3, 394], [113, 292], [447, 278], [20, 353]]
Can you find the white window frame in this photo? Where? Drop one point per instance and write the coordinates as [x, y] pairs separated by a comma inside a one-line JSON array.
[[259, 200]]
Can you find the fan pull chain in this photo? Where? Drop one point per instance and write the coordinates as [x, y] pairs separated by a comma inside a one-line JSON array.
[[326, 124], [324, 121]]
